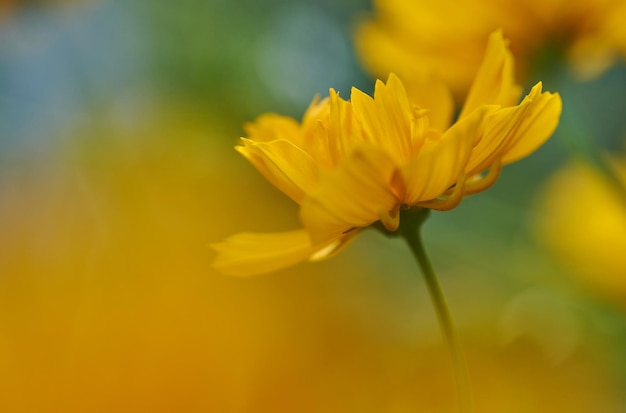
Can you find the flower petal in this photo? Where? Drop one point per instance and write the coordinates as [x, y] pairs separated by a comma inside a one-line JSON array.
[[386, 118], [350, 196], [344, 131], [285, 165], [334, 247], [248, 254], [500, 126], [440, 162], [270, 126], [494, 83], [514, 132], [254, 254], [538, 124], [434, 95]]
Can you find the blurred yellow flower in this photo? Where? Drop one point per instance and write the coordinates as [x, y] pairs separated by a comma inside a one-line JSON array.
[[582, 219], [446, 37], [349, 164]]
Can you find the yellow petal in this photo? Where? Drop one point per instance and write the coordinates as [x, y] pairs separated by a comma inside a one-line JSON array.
[[494, 83], [285, 165], [450, 201], [390, 218], [254, 254], [344, 131], [434, 95], [379, 50], [500, 127], [366, 111], [479, 183], [395, 113], [440, 162], [537, 126], [402, 40], [318, 109], [314, 138], [270, 126], [386, 118], [514, 132], [332, 248], [248, 254], [350, 196]]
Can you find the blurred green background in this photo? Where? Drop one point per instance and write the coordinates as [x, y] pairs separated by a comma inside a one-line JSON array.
[[117, 122]]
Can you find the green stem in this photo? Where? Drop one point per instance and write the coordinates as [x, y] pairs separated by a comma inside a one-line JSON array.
[[410, 231]]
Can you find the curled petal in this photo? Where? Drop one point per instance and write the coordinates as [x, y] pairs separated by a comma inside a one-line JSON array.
[[390, 218], [452, 200], [480, 183]]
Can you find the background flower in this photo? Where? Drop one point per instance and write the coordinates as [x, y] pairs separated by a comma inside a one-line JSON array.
[[447, 38], [581, 218]]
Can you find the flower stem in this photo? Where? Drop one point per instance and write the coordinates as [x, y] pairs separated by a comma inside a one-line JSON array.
[[410, 231]]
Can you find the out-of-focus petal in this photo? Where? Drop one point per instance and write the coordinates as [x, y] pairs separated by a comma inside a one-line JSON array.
[[248, 254], [401, 40], [270, 127], [433, 95], [447, 37], [581, 218], [494, 83]]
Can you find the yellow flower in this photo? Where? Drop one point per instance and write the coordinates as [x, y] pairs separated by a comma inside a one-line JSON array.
[[582, 219], [446, 37], [350, 164]]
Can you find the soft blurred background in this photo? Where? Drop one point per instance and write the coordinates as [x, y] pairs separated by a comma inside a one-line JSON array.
[[117, 122]]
